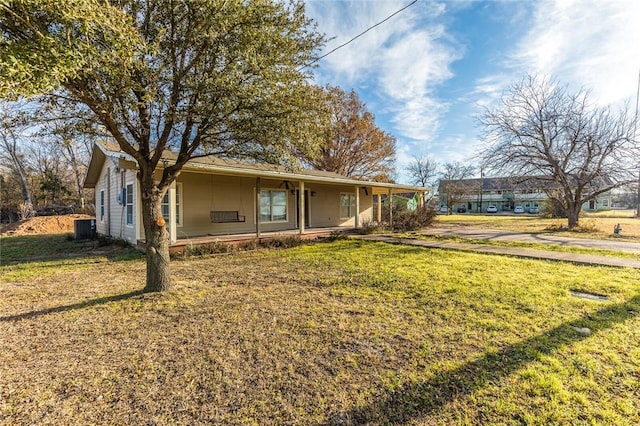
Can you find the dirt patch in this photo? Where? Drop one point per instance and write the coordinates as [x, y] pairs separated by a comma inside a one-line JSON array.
[[43, 225]]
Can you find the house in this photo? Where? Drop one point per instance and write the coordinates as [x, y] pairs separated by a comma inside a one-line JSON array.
[[475, 195], [215, 197]]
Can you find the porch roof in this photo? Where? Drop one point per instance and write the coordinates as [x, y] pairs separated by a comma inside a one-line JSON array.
[[228, 167]]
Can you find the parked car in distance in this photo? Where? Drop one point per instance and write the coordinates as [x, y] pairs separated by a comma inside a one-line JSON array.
[[518, 209], [461, 210], [534, 210], [444, 209], [492, 209]]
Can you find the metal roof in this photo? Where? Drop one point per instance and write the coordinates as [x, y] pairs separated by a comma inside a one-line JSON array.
[[228, 167]]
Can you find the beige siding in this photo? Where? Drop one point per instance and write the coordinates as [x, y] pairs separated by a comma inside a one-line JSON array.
[[324, 205], [113, 223], [203, 193]]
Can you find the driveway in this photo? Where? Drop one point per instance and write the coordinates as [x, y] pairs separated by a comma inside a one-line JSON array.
[[544, 238]]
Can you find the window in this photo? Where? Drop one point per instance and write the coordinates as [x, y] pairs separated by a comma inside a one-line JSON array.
[[129, 204], [605, 203], [102, 205], [273, 205], [347, 205], [165, 205]]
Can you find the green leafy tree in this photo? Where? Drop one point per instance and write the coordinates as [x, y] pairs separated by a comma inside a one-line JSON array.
[[53, 187], [200, 77]]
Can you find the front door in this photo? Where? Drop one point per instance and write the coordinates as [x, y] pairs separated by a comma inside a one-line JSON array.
[[306, 208], [592, 204]]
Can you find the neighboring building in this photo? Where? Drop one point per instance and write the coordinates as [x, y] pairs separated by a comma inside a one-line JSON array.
[[213, 197], [505, 193]]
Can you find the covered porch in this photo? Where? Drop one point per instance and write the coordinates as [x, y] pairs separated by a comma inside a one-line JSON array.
[[203, 206]]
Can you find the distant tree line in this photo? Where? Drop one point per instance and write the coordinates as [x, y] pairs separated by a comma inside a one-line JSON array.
[[44, 161]]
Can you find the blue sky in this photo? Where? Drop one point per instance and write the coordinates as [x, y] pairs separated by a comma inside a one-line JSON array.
[[429, 71]]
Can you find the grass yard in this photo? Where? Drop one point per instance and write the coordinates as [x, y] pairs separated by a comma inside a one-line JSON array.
[[593, 226], [345, 332], [526, 245]]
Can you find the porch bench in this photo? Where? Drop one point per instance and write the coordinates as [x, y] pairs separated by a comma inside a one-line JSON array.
[[226, 216]]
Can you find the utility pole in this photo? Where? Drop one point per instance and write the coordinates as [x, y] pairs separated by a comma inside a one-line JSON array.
[[481, 189]]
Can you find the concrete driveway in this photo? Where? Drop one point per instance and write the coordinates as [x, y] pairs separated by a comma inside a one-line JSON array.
[[543, 238]]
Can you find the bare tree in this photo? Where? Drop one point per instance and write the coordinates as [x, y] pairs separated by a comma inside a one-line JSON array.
[[577, 150], [423, 170], [454, 184], [70, 138], [13, 132]]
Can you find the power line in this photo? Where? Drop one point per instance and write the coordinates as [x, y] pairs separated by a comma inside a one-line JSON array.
[[362, 33]]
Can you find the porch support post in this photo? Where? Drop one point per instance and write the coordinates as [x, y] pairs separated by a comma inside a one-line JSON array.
[[173, 229], [379, 212], [258, 189], [390, 200], [357, 218], [301, 210]]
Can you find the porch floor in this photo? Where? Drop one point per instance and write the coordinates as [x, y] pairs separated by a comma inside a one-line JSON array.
[[234, 239]]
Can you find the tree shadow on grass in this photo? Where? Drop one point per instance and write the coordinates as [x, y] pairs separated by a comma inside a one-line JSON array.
[[416, 399], [74, 306]]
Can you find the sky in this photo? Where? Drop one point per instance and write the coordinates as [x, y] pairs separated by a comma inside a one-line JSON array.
[[429, 71]]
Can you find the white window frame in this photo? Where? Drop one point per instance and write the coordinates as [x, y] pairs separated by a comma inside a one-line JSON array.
[[352, 204], [165, 202], [129, 218], [102, 205], [286, 207]]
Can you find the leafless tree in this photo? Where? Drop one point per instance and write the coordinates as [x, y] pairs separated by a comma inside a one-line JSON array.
[[423, 170], [454, 184], [578, 150], [13, 131]]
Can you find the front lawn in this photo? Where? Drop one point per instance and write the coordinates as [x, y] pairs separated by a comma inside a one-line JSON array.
[[343, 332]]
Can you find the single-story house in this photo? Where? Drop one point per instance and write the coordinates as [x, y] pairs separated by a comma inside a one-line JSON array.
[[220, 197]]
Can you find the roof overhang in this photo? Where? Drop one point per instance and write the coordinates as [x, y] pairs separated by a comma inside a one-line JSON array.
[[102, 151], [377, 187]]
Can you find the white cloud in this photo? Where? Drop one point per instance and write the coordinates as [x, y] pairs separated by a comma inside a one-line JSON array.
[[402, 60], [590, 43]]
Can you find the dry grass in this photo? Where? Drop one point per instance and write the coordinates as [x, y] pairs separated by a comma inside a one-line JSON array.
[[598, 227], [347, 332]]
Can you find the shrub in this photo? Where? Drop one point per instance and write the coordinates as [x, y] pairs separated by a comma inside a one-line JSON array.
[[371, 227], [210, 248], [405, 220], [106, 240], [282, 242]]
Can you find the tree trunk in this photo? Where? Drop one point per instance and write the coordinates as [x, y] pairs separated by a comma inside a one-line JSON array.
[[157, 239], [77, 174], [573, 215], [19, 168]]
